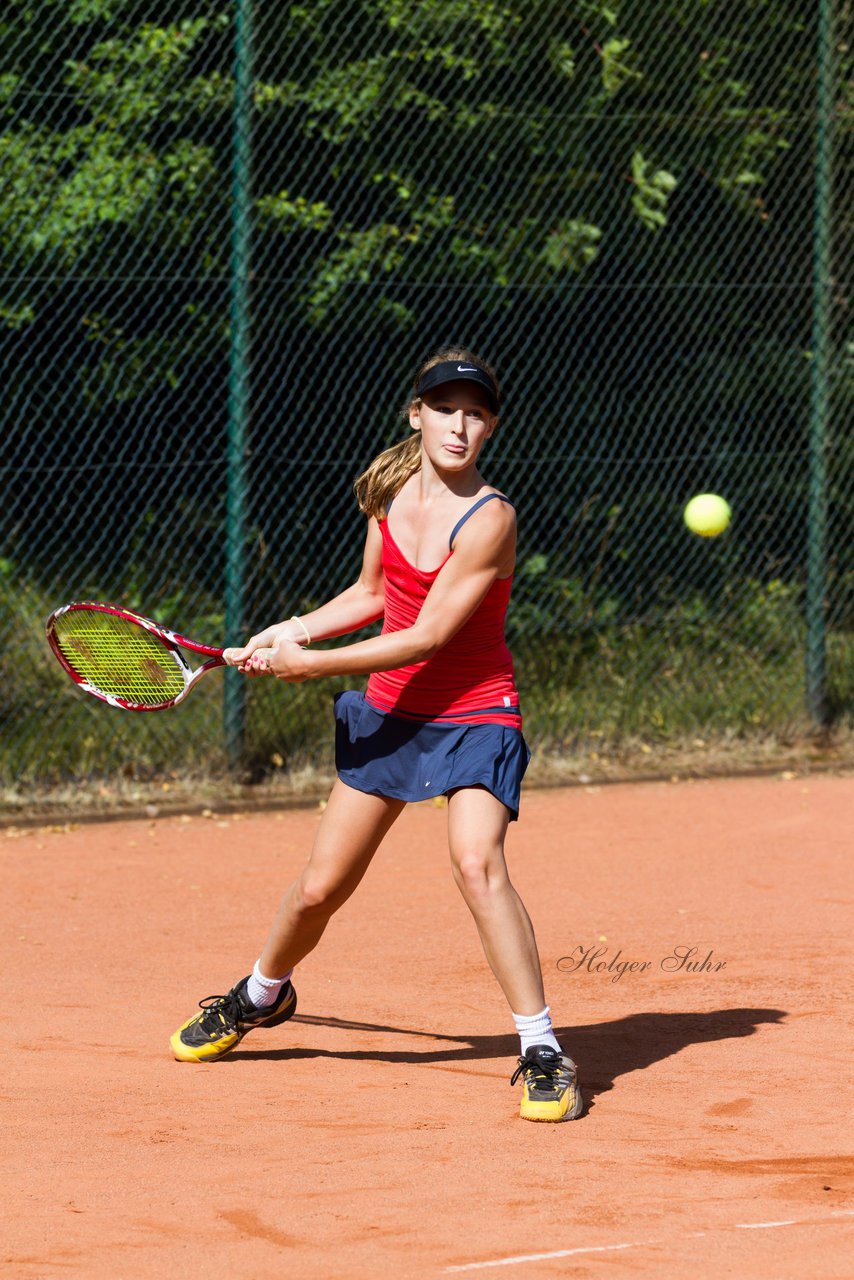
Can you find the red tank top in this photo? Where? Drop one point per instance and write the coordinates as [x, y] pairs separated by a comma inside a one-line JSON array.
[[470, 679]]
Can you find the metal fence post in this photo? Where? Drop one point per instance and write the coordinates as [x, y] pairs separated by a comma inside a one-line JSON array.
[[816, 609], [238, 386]]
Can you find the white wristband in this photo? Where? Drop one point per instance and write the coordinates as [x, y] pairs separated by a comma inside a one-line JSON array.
[[300, 623]]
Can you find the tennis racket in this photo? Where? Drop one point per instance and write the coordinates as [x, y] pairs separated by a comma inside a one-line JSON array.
[[124, 659]]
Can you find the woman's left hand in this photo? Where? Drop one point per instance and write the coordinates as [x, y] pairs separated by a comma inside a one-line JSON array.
[[287, 661]]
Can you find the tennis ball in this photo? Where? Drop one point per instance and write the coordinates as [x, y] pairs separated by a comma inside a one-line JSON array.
[[707, 514]]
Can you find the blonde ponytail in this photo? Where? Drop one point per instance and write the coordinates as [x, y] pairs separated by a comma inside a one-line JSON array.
[[387, 474]]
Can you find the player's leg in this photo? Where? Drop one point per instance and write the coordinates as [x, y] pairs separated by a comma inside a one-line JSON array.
[[350, 832], [477, 826]]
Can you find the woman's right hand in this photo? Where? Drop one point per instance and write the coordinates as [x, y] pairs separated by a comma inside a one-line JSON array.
[[267, 639]]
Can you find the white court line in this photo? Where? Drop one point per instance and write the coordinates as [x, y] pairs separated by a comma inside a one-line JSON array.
[[637, 1244], [540, 1257], [755, 1226]]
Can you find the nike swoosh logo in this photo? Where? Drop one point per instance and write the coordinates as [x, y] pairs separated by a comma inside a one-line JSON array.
[[464, 368]]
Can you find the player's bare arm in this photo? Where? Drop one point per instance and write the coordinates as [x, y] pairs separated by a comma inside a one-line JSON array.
[[484, 550], [357, 606]]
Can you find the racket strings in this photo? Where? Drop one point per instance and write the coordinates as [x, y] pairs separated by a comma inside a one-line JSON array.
[[119, 657]]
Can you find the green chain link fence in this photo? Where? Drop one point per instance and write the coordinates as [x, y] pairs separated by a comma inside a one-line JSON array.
[[228, 239]]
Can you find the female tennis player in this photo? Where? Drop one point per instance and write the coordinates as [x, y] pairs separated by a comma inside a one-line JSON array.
[[440, 716]]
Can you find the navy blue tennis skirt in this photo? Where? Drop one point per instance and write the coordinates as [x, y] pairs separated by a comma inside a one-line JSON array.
[[385, 755]]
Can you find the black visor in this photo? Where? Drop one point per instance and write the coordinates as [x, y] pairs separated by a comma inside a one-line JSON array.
[[458, 371]]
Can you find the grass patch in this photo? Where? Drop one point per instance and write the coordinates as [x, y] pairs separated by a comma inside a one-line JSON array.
[[722, 679]]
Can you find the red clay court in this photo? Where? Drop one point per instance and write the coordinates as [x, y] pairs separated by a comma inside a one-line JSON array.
[[377, 1133]]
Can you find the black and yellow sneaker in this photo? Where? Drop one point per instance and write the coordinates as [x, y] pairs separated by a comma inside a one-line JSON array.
[[225, 1020], [550, 1089]]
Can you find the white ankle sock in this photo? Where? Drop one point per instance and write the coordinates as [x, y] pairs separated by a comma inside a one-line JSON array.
[[536, 1028], [264, 991]]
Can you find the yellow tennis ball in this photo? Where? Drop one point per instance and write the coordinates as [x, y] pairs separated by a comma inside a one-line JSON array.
[[707, 514]]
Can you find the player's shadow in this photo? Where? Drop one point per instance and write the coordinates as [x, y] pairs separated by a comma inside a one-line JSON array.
[[603, 1050]]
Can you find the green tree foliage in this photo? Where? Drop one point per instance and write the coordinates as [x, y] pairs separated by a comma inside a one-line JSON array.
[[612, 198], [483, 143], [630, 182]]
